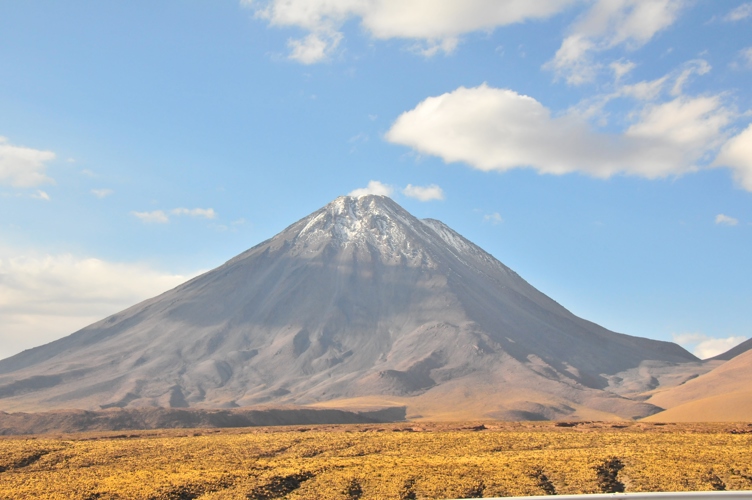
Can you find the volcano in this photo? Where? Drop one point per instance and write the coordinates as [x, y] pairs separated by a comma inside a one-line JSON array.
[[358, 304]]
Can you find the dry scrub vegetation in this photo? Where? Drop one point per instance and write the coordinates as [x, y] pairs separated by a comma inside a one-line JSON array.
[[399, 461]]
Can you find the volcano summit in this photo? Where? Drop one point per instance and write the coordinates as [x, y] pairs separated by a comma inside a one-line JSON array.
[[358, 304]]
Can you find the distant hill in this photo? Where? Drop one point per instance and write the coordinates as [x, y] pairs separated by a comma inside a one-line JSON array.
[[358, 303], [734, 351], [721, 395]]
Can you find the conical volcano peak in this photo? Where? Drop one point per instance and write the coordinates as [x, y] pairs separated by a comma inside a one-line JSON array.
[[358, 301], [364, 207], [369, 223]]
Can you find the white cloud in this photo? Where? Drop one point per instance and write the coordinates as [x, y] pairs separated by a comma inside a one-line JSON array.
[[206, 213], [23, 167], [741, 12], [156, 216], [424, 193], [621, 68], [746, 56], [160, 217], [696, 67], [609, 23], [374, 187], [102, 193], [436, 26], [433, 47], [499, 129], [737, 154], [704, 346], [726, 220], [314, 48], [41, 195], [494, 218], [643, 91], [669, 86], [45, 297]]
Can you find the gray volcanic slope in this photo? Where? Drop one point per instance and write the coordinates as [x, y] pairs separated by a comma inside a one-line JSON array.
[[358, 300]]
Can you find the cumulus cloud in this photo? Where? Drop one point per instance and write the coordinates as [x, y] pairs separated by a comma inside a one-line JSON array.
[[726, 220], [102, 193], [704, 346], [204, 213], [434, 26], [47, 296], [609, 23], [153, 217], [23, 167], [424, 193], [737, 155], [499, 129], [741, 12], [374, 187]]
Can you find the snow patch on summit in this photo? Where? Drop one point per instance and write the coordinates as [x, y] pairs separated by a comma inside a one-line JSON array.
[[364, 224]]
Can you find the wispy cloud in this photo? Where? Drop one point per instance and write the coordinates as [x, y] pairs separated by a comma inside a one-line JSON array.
[[23, 166], [608, 24], [204, 213], [739, 13], [102, 193], [704, 346], [726, 220], [41, 195], [494, 218], [162, 217], [153, 217], [746, 57], [424, 193]]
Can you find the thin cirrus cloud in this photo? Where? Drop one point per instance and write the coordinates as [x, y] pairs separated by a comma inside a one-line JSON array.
[[494, 129], [23, 167], [204, 213], [494, 218], [47, 296], [741, 12], [746, 56], [153, 217], [704, 346], [102, 193], [726, 220], [41, 195], [433, 26], [162, 217], [609, 23]]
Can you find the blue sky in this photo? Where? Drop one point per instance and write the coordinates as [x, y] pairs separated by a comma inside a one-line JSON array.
[[601, 148]]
